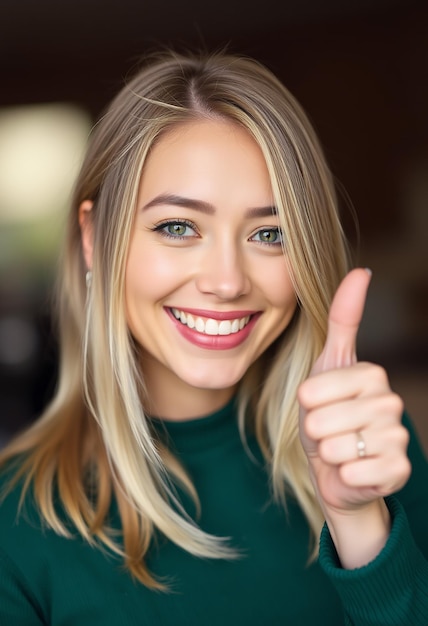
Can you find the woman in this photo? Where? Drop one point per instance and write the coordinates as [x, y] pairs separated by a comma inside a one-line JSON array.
[[211, 414]]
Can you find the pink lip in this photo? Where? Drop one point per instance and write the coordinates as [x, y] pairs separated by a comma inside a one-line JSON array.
[[215, 342]]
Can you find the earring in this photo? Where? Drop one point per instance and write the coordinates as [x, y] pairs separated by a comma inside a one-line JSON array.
[[88, 278]]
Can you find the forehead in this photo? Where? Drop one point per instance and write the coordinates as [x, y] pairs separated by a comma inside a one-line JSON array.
[[194, 134], [206, 156]]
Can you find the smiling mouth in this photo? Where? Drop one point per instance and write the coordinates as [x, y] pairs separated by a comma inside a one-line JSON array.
[[209, 326]]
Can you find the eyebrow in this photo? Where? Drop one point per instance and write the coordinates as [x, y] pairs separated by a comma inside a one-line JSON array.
[[204, 207]]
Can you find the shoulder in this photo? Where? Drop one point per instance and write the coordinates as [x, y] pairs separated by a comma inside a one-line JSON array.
[[21, 552], [20, 520], [27, 543], [11, 491]]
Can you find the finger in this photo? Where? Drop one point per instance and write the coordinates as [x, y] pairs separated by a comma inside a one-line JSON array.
[[345, 316], [346, 448], [353, 415], [363, 380], [386, 475]]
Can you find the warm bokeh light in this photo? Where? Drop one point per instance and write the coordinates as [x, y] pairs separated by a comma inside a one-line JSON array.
[[41, 148]]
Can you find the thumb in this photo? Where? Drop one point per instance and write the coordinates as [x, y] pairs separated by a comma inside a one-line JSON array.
[[345, 316]]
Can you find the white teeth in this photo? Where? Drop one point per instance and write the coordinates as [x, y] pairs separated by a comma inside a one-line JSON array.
[[225, 327], [210, 326], [200, 325]]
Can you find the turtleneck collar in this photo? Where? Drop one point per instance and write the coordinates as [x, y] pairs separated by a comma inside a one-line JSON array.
[[197, 434]]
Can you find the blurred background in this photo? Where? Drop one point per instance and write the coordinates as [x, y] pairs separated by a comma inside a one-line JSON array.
[[359, 68]]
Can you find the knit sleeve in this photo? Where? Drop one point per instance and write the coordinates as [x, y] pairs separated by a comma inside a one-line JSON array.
[[391, 590], [16, 603]]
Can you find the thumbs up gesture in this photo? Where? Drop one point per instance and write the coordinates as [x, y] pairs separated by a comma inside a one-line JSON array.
[[351, 431]]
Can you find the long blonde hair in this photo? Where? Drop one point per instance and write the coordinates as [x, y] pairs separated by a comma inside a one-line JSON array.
[[95, 430]]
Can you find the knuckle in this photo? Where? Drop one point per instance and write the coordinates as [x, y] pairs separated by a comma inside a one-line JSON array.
[[303, 394], [311, 426], [403, 472], [406, 468], [378, 375], [347, 473], [399, 437], [404, 436], [327, 450], [396, 403]]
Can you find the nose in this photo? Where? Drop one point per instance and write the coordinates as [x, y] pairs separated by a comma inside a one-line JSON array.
[[223, 272]]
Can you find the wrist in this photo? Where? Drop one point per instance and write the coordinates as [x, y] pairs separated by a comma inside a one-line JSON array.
[[359, 535]]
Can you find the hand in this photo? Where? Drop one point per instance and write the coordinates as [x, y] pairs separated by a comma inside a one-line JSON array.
[[342, 403]]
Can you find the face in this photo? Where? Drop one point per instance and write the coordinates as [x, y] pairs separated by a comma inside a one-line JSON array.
[[208, 287]]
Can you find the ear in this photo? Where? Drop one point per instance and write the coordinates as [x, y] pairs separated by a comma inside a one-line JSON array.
[[87, 231]]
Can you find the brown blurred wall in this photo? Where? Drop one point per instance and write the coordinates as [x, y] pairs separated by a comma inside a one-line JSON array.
[[363, 81]]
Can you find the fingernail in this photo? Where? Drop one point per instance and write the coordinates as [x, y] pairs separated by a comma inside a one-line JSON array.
[[368, 270]]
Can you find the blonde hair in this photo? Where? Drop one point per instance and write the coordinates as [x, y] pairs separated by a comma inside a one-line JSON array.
[[95, 432]]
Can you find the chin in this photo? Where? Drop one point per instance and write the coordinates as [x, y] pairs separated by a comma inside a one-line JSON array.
[[214, 380]]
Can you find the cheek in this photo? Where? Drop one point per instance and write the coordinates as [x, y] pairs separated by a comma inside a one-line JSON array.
[[288, 299], [150, 274], [277, 286]]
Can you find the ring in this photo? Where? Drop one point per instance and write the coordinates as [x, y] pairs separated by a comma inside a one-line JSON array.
[[361, 445]]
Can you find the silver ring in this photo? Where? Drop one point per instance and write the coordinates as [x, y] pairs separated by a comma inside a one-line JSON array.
[[361, 445]]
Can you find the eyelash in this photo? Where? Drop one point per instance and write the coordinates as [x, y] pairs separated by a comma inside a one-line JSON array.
[[161, 229]]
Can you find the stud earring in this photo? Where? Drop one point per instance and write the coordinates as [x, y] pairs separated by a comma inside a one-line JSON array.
[[88, 278]]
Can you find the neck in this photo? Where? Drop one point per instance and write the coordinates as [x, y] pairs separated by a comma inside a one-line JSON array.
[[197, 403], [172, 399]]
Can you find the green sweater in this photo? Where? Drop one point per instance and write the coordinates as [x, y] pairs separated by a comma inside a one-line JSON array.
[[47, 579]]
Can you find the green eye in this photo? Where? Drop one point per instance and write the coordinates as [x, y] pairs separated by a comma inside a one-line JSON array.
[[176, 228], [268, 235]]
